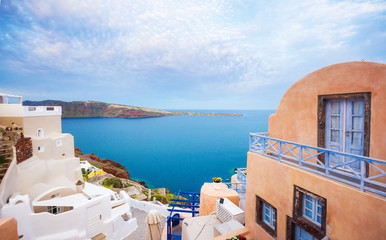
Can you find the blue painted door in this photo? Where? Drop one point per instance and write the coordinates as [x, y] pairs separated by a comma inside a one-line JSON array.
[[301, 234], [345, 129]]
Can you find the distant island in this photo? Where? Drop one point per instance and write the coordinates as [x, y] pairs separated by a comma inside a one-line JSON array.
[[79, 109]]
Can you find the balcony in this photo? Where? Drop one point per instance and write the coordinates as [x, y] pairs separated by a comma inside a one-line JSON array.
[[241, 174], [30, 111], [241, 177], [367, 175]]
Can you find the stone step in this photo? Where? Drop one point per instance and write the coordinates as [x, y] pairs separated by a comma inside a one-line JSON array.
[[6, 155], [3, 171], [6, 150], [5, 165]]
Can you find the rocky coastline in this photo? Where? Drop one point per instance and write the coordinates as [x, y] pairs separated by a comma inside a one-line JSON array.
[[119, 174], [109, 166], [93, 109]]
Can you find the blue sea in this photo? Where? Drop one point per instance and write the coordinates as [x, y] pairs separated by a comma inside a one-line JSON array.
[[176, 152]]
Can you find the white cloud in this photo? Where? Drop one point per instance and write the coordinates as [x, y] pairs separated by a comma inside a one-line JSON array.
[[201, 40]]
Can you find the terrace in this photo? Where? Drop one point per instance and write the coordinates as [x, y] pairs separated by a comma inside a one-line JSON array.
[[339, 166], [241, 177]]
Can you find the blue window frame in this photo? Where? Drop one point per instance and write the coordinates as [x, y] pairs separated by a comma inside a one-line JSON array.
[[269, 215], [301, 234], [309, 212], [266, 215], [312, 209]]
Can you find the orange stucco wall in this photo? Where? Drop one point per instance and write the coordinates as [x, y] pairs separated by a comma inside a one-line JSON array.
[[296, 117], [351, 214], [8, 229], [209, 196]]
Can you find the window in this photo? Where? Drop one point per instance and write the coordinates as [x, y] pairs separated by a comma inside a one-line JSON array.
[[40, 148], [54, 209], [59, 143], [266, 216], [40, 132], [312, 209], [309, 213], [269, 215], [357, 110]]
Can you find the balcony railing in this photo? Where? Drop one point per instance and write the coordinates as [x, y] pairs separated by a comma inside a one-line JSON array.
[[241, 174], [238, 187], [344, 167]]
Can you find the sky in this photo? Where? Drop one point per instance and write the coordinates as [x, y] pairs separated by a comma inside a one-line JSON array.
[[167, 54]]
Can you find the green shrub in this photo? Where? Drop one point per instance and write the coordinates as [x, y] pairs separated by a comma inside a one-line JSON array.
[[158, 197], [85, 177], [112, 182], [2, 159], [172, 196], [83, 171]]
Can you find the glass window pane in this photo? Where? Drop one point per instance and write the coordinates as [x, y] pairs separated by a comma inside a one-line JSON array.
[[266, 218], [319, 219], [308, 205], [309, 198], [308, 213], [335, 122], [357, 123], [357, 107], [334, 136], [356, 139], [335, 108], [266, 211]]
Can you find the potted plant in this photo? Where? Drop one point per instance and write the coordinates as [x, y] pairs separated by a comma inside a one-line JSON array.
[[79, 186], [217, 182], [238, 237]]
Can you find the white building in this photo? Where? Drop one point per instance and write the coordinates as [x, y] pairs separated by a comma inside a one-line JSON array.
[[87, 166], [43, 186]]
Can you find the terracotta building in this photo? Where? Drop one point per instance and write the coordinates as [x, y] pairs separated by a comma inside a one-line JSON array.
[[319, 172]]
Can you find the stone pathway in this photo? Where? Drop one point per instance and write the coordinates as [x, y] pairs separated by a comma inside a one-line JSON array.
[[6, 152], [140, 232]]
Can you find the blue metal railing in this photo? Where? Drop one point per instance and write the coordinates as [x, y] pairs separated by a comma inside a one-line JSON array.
[[241, 176], [238, 187], [192, 200], [329, 163]]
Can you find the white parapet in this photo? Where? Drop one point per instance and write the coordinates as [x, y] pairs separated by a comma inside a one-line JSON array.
[[11, 110], [32, 111]]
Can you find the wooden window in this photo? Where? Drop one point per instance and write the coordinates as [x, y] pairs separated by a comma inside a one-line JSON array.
[[312, 209], [334, 98], [269, 215], [266, 216], [309, 212], [297, 231]]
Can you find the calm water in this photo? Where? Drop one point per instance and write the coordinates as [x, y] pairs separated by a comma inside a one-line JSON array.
[[176, 152]]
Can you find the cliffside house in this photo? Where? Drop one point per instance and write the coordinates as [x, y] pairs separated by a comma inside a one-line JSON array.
[[41, 180], [319, 171]]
